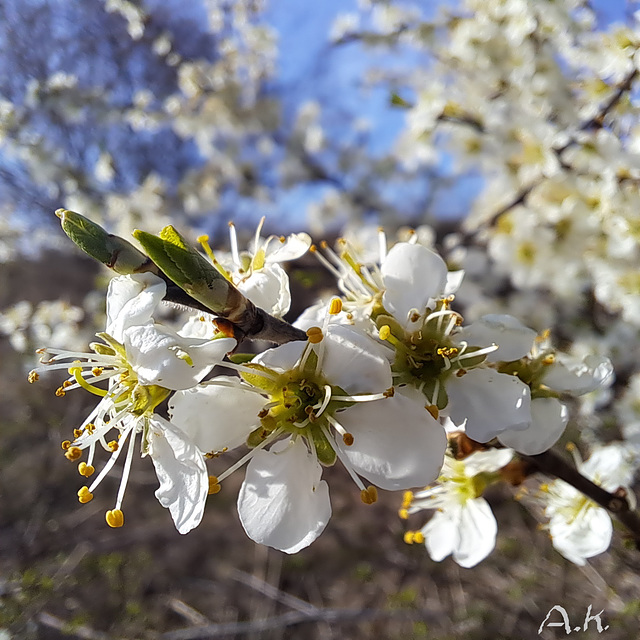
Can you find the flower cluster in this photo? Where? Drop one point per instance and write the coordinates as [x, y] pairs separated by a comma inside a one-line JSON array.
[[384, 371]]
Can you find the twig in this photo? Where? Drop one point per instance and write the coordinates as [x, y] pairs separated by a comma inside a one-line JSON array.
[[68, 628]]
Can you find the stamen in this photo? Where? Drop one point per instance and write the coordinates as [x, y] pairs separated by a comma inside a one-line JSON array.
[[382, 245], [84, 495], [127, 469], [315, 335], [214, 485], [335, 307], [325, 400], [369, 495], [76, 372], [114, 518], [33, 376], [73, 453], [85, 469], [347, 465]]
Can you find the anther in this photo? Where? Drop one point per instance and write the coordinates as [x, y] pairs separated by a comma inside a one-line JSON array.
[[84, 495], [65, 444], [335, 307], [403, 514], [369, 495], [113, 445], [315, 335], [60, 392], [114, 518], [73, 453], [347, 438], [418, 537], [214, 485], [33, 376], [408, 537], [77, 433], [407, 499], [433, 410], [85, 469]]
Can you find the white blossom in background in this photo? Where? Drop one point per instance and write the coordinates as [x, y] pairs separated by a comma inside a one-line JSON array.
[[304, 405], [463, 524], [141, 361]]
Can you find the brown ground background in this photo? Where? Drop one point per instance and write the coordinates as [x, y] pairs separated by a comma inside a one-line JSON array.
[[65, 574]]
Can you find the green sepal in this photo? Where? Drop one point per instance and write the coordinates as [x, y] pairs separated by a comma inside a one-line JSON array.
[[147, 397], [241, 358], [187, 268], [113, 251]]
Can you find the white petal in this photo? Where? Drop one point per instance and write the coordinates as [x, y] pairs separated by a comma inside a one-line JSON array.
[[442, 533], [397, 443], [131, 300], [268, 289], [294, 246], [283, 503], [182, 472], [412, 275], [216, 417], [548, 420], [583, 537], [514, 340], [355, 362], [487, 461], [478, 531], [489, 401], [160, 356], [578, 376]]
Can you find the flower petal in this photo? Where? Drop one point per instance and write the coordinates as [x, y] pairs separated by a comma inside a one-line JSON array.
[[216, 417], [578, 376], [477, 533], [268, 289], [160, 356], [294, 246], [131, 300], [397, 443], [182, 472], [442, 533], [412, 274], [514, 340], [549, 418], [489, 401], [283, 503]]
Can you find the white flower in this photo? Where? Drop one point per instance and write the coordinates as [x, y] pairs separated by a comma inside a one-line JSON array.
[[314, 403], [578, 377], [257, 272], [463, 525], [579, 528], [141, 361]]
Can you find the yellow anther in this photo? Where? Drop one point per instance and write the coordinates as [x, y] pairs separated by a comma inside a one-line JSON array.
[[403, 513], [407, 499], [369, 495], [33, 376], [570, 446], [203, 238], [90, 428], [408, 537], [313, 248], [385, 332], [549, 359], [347, 438], [67, 383], [77, 433], [324, 244], [315, 335], [65, 444], [418, 537], [335, 307], [60, 392], [282, 239], [73, 453], [544, 488], [85, 469], [114, 518], [389, 393], [113, 445], [84, 495], [433, 410], [97, 371], [214, 485]]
